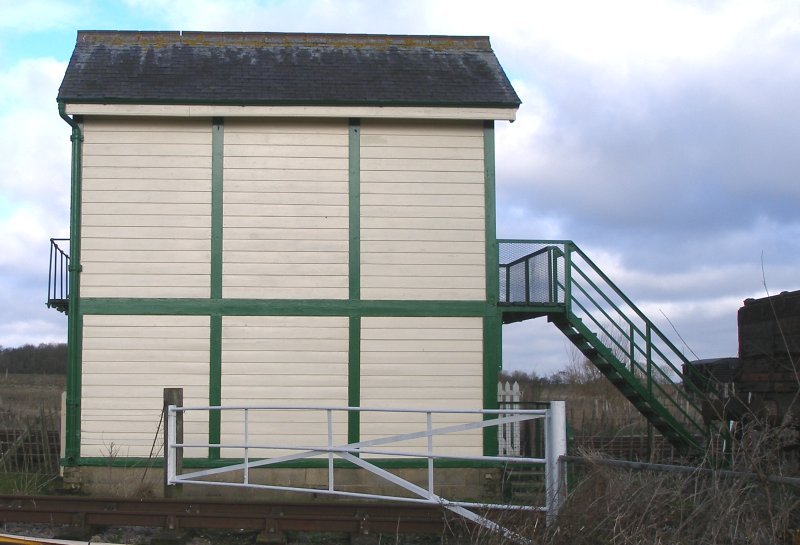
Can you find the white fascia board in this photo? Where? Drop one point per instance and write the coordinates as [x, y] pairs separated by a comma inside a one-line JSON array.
[[385, 112]]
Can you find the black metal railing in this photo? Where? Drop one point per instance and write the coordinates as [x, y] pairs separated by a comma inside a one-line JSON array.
[[58, 277]]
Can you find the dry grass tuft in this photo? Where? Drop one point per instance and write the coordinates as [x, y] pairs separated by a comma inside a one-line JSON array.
[[621, 506]]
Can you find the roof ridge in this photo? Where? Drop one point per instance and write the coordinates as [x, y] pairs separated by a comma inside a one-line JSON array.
[[289, 39]]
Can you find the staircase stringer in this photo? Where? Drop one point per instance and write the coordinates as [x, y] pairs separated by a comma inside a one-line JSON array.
[[646, 402]]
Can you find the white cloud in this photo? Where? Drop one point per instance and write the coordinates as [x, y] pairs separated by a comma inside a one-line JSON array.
[[35, 204], [660, 135], [34, 139], [26, 233]]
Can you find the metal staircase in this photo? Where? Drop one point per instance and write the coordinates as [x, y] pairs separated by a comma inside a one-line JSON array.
[[557, 280]]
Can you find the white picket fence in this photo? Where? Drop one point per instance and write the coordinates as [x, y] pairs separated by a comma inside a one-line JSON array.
[[508, 435]]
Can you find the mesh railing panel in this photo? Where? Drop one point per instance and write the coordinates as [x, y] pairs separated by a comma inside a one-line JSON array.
[[531, 272]]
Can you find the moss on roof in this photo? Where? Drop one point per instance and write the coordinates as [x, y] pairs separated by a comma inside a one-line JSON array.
[[274, 68]]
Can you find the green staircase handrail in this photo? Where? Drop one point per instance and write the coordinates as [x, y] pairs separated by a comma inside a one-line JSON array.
[[645, 392], [666, 396], [651, 327], [648, 371], [586, 293]]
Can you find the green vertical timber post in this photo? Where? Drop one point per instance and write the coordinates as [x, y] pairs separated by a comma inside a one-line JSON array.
[[215, 320], [354, 280], [74, 316], [493, 322]]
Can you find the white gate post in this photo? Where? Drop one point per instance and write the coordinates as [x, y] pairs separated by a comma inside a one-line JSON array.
[[170, 446], [555, 448]]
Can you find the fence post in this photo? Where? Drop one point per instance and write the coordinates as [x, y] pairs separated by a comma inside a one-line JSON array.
[[555, 448], [173, 434]]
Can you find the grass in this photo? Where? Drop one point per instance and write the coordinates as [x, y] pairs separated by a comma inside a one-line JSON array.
[[609, 505], [31, 406]]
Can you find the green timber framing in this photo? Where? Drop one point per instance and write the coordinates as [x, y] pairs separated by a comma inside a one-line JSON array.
[[215, 307]]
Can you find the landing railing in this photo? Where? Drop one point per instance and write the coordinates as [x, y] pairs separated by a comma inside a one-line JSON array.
[[557, 274], [58, 277]]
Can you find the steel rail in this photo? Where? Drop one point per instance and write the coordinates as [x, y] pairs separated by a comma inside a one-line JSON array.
[[184, 513]]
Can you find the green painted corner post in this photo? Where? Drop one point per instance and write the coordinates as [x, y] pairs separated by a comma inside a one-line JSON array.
[[492, 354], [215, 385], [492, 323], [354, 381], [74, 315], [354, 280], [215, 318]]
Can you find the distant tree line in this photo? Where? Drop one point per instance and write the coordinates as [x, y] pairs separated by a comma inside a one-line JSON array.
[[574, 373], [31, 359]]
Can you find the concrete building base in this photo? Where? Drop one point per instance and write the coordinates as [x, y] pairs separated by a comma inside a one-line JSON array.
[[465, 484]]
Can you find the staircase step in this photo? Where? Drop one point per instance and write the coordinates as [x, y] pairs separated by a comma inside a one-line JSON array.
[[632, 387]]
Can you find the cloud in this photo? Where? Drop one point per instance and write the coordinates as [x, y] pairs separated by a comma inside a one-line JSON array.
[[34, 139], [35, 203], [661, 136], [24, 275]]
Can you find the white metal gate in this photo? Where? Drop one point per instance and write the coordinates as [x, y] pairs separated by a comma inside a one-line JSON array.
[[367, 454]]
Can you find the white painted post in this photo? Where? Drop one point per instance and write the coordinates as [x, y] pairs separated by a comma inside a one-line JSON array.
[[172, 458], [429, 430], [555, 448], [329, 416], [246, 446]]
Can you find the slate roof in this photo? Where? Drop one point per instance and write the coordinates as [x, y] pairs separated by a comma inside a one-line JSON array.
[[285, 69]]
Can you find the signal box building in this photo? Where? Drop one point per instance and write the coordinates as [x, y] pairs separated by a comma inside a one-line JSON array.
[[279, 219]]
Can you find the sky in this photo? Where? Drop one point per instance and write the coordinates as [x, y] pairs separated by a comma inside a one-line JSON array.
[[661, 136]]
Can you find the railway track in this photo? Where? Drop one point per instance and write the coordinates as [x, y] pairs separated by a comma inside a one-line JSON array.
[[185, 514]]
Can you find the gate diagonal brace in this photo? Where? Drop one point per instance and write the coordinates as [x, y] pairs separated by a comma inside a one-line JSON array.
[[358, 447], [434, 498]]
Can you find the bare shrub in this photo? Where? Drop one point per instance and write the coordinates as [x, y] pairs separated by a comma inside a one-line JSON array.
[[745, 503], [754, 500]]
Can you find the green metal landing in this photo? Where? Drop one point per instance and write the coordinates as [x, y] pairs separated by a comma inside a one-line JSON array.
[[555, 279]]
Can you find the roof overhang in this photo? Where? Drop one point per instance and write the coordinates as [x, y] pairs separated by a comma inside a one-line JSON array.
[[381, 112]]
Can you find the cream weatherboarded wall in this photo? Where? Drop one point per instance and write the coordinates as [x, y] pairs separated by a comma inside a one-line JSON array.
[[285, 209], [127, 362], [284, 361], [419, 363], [146, 213], [281, 190], [423, 215]]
